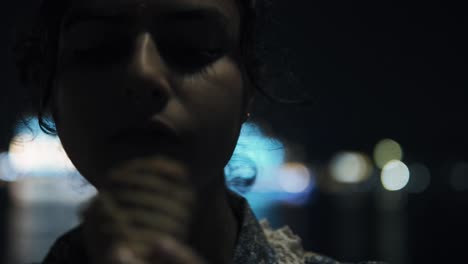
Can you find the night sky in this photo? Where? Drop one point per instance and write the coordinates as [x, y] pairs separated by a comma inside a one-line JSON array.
[[375, 69]]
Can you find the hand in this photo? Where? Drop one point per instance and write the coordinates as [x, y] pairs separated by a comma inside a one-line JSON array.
[[142, 216], [160, 251]]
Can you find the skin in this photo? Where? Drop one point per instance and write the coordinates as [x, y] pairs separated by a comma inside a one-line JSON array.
[[120, 68]]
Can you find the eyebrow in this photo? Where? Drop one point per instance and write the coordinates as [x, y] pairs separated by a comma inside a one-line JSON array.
[[124, 16]]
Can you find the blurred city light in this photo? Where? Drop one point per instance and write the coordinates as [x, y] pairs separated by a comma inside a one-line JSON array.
[[395, 175], [33, 153], [276, 180], [58, 190], [350, 167], [294, 177], [256, 157], [387, 150], [43, 155], [420, 178], [459, 176], [266, 154], [6, 171]]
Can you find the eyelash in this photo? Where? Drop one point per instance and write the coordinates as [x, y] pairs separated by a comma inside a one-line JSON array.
[[191, 61], [203, 71], [200, 63]]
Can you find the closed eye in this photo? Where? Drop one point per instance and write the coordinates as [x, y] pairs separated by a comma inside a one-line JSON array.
[[188, 59]]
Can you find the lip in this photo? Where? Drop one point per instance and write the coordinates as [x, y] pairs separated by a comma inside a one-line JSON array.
[[152, 130]]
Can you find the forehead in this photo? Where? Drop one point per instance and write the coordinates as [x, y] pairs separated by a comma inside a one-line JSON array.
[[154, 8]]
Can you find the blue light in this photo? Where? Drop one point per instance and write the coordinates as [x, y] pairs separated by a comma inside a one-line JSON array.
[[276, 181], [260, 156], [264, 151], [252, 171], [254, 155]]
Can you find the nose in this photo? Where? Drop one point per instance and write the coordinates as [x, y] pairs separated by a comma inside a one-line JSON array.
[[149, 88]]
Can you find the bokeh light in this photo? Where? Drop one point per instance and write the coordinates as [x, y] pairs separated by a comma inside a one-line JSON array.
[[387, 150], [258, 156], [350, 167], [420, 178], [459, 176], [34, 153], [264, 154], [6, 171], [294, 177], [395, 175]]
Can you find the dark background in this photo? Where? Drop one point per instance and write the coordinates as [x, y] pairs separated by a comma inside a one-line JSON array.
[[375, 69]]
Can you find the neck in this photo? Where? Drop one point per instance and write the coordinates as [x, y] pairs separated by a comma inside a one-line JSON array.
[[213, 232]]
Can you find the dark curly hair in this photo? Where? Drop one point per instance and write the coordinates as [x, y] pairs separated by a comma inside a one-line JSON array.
[[36, 53]]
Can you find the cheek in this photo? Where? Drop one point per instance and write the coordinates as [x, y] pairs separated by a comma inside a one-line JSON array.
[[221, 96], [214, 102], [84, 112], [80, 106]]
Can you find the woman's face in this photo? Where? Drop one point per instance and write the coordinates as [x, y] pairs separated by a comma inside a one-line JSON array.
[[145, 78]]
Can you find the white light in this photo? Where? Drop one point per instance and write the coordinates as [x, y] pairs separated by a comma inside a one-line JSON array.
[[395, 175], [350, 167], [6, 173], [43, 153], [34, 153], [387, 150], [35, 190], [294, 178]]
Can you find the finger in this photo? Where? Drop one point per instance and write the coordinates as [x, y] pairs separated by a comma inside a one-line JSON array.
[[151, 182], [142, 241], [144, 219], [102, 207], [153, 202], [160, 165], [103, 216]]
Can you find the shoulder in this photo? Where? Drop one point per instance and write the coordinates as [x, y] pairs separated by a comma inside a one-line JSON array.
[[288, 248], [68, 248]]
